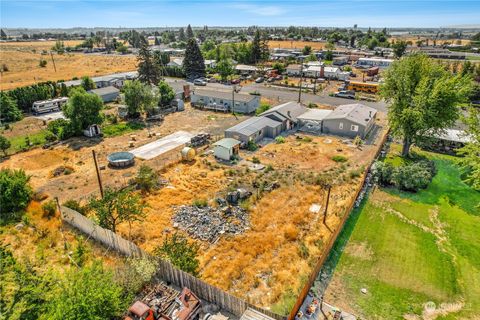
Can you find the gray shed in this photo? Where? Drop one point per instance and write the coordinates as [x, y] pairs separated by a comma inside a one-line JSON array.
[[226, 148], [107, 94], [223, 101], [350, 120], [255, 129]]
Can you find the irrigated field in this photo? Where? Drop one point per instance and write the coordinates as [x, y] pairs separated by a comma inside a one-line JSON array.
[[22, 61], [409, 249]]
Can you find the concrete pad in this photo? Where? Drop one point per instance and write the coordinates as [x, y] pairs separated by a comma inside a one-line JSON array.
[[163, 145], [50, 116]]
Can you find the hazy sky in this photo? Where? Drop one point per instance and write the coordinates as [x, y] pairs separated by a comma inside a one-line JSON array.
[[122, 13]]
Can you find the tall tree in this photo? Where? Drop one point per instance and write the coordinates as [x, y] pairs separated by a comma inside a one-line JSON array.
[[87, 83], [166, 93], [256, 48], [4, 144], [181, 35], [470, 153], [83, 109], [399, 48], [16, 193], [148, 70], [423, 98], [138, 98], [9, 110], [193, 63], [225, 68], [190, 34]]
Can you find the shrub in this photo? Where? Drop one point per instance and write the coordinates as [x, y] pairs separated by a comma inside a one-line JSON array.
[[180, 253], [339, 158], [4, 144], [49, 209], [61, 128], [312, 105], [15, 193], [4, 68], [262, 108], [42, 63], [279, 139], [255, 160], [413, 177], [200, 203], [75, 205], [382, 172], [252, 146], [146, 179]]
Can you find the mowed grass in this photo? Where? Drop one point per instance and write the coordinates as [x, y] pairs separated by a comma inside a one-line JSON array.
[[121, 128], [408, 249]]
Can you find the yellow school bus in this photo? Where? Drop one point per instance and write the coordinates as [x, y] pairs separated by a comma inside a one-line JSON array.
[[368, 87]]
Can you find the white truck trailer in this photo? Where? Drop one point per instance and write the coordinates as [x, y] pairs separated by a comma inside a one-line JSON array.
[[49, 105]]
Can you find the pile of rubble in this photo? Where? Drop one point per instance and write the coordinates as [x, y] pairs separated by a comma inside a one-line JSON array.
[[208, 223]]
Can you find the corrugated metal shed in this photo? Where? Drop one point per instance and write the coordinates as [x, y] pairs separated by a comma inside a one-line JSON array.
[[226, 95], [253, 125]]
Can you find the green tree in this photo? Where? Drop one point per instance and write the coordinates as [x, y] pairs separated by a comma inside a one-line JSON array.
[[423, 98], [85, 294], [148, 70], [181, 35], [193, 63], [256, 51], [121, 48], [16, 193], [280, 67], [166, 93], [399, 48], [116, 207], [307, 50], [4, 144], [87, 83], [83, 109], [63, 90], [180, 253], [225, 68], [190, 34], [9, 110], [470, 160], [138, 98]]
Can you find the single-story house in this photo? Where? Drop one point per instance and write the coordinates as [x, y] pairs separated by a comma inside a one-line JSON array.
[[350, 120], [294, 69], [286, 113], [335, 73], [312, 120], [245, 69], [255, 129], [116, 80], [107, 94], [175, 62], [223, 100], [374, 62], [341, 60], [314, 72], [226, 148]]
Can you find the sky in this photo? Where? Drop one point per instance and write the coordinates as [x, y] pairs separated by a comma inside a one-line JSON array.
[[161, 13]]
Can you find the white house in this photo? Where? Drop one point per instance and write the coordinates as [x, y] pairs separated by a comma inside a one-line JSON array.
[[335, 73], [226, 148], [374, 62], [294, 69]]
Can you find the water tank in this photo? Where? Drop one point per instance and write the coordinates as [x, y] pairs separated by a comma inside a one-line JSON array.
[[188, 154]]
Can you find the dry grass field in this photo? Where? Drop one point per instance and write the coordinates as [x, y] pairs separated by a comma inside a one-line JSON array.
[[272, 44], [22, 60], [414, 39]]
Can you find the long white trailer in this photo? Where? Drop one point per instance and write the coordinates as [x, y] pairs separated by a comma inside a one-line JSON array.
[[49, 105]]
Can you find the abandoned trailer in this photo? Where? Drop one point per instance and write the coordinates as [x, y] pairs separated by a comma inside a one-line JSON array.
[[224, 100]]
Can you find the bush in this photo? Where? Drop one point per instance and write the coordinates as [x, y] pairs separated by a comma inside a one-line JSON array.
[[15, 193], [4, 144], [339, 158], [279, 139], [61, 128], [75, 205], [252, 146], [413, 177], [49, 209], [146, 179], [262, 108], [312, 105], [255, 160], [200, 203], [42, 63], [382, 172], [180, 253]]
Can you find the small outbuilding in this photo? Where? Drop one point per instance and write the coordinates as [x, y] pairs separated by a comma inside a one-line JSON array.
[[312, 120], [92, 131], [255, 129], [350, 120], [107, 94], [226, 148]]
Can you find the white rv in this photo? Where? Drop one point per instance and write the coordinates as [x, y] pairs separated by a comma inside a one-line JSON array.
[[49, 105]]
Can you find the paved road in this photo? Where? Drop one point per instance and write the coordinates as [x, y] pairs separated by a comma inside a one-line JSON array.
[[284, 94]]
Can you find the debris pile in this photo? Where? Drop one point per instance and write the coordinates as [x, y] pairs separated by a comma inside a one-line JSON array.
[[208, 223], [199, 140], [160, 297]]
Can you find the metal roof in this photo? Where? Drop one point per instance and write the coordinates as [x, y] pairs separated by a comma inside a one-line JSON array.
[[253, 125], [290, 110], [315, 114], [355, 112], [227, 143], [105, 90], [226, 95], [453, 135]]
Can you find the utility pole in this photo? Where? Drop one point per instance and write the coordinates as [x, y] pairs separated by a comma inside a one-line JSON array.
[[53, 61], [233, 101], [98, 173], [326, 206], [300, 83]]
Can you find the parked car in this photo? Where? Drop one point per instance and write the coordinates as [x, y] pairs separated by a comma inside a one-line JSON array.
[[199, 82], [259, 80], [271, 79], [249, 77], [345, 94], [279, 77], [235, 81]]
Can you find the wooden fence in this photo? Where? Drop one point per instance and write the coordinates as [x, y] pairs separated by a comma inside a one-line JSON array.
[[166, 271], [313, 276]]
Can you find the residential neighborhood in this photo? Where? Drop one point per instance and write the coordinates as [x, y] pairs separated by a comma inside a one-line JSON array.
[[239, 160]]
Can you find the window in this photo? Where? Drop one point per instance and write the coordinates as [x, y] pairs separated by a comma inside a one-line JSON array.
[[354, 127], [340, 126]]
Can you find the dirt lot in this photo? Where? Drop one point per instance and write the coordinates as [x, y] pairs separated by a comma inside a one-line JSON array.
[[414, 39], [285, 44], [268, 264], [22, 60]]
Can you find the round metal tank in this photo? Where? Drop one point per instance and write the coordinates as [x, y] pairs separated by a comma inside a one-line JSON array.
[[188, 154], [121, 159]]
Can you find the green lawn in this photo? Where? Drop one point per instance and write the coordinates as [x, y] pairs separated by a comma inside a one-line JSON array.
[[18, 143], [408, 249], [121, 128]]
